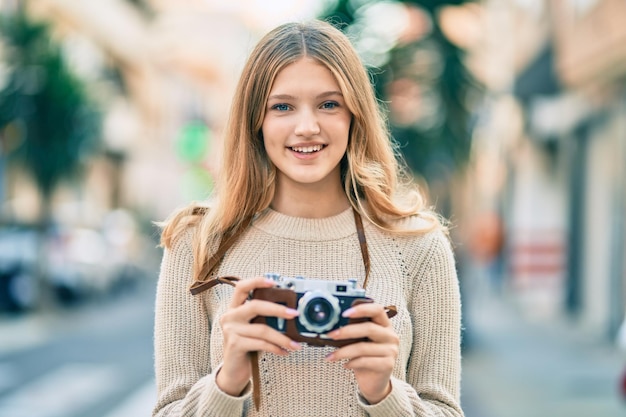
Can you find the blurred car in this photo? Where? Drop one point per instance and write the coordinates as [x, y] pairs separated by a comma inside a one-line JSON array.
[[18, 256], [83, 263], [72, 264]]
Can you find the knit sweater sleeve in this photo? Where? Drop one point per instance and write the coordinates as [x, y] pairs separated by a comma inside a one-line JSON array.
[[432, 386], [185, 381]]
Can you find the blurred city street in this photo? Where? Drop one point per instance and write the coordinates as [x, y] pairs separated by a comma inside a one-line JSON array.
[[513, 367], [96, 361], [92, 360], [510, 113]]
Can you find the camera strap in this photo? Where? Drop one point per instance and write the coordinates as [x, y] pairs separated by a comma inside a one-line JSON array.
[[360, 231], [205, 283]]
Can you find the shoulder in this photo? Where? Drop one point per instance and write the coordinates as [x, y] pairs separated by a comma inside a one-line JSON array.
[[422, 237], [419, 223], [181, 223], [177, 262], [429, 261]]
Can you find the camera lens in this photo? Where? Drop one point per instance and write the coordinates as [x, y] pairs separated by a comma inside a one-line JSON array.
[[319, 311]]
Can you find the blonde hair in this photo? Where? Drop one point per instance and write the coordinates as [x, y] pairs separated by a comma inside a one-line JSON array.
[[372, 172]]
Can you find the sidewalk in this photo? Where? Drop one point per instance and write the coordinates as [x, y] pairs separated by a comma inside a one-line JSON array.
[[514, 368]]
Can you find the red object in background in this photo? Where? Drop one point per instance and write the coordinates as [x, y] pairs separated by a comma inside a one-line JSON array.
[[486, 237], [623, 384]]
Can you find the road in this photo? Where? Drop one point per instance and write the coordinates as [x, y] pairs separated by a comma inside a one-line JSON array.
[[518, 367], [93, 360]]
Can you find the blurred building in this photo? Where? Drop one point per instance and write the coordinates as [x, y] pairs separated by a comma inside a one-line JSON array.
[[163, 73], [550, 155], [549, 151]]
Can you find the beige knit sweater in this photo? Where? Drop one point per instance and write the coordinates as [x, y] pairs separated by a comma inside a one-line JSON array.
[[416, 274]]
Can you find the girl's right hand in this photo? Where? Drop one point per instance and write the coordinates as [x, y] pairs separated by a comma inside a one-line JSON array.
[[242, 337]]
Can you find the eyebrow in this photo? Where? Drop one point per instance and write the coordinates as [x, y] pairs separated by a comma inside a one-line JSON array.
[[290, 97]]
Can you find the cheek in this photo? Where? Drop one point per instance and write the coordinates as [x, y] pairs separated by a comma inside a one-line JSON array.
[[346, 132], [272, 131], [346, 124], [271, 142]]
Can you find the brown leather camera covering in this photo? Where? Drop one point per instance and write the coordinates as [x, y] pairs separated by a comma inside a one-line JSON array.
[[289, 298]]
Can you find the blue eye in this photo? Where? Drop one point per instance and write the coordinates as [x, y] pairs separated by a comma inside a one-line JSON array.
[[329, 105], [280, 107]]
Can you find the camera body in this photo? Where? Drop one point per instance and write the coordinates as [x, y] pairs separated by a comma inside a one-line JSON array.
[[320, 304]]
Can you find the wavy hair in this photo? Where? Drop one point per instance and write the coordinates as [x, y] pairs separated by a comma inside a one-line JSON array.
[[374, 176]]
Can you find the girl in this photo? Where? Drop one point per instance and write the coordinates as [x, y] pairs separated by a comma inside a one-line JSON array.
[[310, 186]]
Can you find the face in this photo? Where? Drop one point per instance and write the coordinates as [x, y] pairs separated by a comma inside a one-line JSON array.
[[306, 126]]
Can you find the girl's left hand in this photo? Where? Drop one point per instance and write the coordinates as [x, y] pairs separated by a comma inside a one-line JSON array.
[[372, 362]]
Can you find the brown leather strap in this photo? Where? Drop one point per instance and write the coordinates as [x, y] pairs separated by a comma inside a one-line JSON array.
[[203, 282], [256, 379], [199, 286], [360, 231]]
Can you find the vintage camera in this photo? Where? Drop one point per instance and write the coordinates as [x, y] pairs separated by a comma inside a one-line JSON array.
[[320, 304]]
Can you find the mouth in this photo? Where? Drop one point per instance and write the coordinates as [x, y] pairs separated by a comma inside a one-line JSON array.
[[307, 149]]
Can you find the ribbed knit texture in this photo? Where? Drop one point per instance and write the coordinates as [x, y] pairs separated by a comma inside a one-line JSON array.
[[416, 274]]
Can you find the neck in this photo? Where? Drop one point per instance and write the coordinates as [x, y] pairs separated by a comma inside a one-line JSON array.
[[310, 202]]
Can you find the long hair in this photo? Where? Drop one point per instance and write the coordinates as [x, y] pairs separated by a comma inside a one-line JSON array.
[[373, 174]]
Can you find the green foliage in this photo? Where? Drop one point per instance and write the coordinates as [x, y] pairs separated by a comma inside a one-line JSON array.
[[438, 144], [47, 121], [193, 142]]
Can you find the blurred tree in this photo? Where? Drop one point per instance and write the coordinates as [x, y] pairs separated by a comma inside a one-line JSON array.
[[422, 78], [143, 7], [48, 124]]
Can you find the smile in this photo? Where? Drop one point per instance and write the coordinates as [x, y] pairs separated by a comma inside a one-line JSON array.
[[307, 149]]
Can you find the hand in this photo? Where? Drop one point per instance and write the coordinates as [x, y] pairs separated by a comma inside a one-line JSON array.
[[372, 362], [242, 337]]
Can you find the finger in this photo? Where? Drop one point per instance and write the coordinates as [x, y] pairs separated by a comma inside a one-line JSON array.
[[237, 323], [252, 344], [233, 332], [364, 350], [254, 308], [243, 288], [370, 330], [376, 364], [269, 335], [374, 311]]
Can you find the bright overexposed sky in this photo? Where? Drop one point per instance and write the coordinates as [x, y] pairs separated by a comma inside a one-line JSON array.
[[261, 14]]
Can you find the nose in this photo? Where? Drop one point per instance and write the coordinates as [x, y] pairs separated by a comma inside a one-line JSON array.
[[307, 124]]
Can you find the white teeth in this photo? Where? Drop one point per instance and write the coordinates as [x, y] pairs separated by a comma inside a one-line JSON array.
[[307, 149]]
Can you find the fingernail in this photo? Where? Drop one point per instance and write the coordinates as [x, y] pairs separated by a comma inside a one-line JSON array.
[[291, 312], [333, 334], [270, 281], [295, 345], [330, 357], [348, 312]]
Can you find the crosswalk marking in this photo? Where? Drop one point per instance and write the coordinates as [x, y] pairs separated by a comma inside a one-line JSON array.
[[62, 392], [138, 404]]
